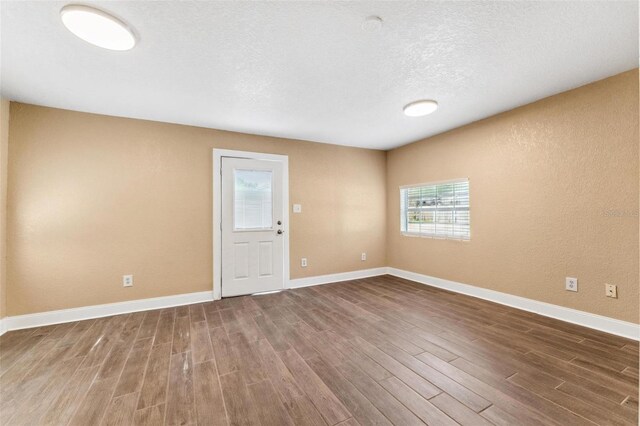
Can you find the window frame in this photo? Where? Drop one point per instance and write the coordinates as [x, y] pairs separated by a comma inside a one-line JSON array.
[[404, 210]]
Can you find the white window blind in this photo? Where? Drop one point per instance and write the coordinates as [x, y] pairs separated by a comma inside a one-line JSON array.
[[252, 200], [439, 210]]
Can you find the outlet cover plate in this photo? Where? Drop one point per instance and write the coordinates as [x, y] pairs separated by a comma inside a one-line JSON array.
[[127, 281], [571, 284], [611, 290]]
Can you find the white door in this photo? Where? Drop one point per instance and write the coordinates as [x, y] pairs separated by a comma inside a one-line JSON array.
[[252, 226]]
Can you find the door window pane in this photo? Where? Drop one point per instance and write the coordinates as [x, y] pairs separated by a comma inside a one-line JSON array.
[[253, 199]]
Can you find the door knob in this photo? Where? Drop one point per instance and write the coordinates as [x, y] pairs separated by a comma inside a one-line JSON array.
[[280, 231]]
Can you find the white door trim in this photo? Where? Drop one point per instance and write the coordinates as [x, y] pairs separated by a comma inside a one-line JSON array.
[[217, 211]]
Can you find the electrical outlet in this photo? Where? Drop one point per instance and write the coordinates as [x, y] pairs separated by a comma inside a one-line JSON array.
[[127, 281], [571, 284], [303, 262], [297, 208], [363, 257], [611, 290]]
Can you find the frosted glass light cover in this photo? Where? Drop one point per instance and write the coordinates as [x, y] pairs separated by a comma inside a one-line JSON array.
[[97, 27], [420, 108]]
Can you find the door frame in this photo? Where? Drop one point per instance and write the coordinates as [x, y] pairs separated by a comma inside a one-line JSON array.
[[217, 211]]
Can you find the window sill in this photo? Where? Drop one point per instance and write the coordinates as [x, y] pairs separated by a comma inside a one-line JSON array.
[[434, 237]]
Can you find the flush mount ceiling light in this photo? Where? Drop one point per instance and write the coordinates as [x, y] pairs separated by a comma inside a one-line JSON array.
[[420, 108], [97, 27]]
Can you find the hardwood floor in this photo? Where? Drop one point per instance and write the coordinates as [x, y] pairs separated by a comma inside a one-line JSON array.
[[375, 351]]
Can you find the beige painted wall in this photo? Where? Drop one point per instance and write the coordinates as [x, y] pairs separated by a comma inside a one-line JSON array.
[[4, 145], [554, 193], [94, 197]]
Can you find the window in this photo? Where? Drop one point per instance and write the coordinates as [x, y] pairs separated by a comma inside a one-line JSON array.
[[252, 200], [439, 210]]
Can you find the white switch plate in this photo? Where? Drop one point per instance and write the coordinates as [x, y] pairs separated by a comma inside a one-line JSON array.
[[127, 281], [303, 262], [571, 284], [363, 257], [297, 208]]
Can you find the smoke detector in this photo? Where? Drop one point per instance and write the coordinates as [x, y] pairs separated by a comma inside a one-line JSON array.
[[372, 24]]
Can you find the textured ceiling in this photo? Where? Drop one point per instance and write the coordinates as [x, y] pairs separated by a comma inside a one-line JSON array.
[[308, 70]]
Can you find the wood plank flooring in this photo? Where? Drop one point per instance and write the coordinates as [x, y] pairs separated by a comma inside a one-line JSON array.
[[380, 350]]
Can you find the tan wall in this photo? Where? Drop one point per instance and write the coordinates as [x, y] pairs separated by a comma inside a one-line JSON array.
[[94, 197], [554, 193], [4, 144]]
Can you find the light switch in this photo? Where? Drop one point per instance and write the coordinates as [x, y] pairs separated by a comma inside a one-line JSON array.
[[297, 208]]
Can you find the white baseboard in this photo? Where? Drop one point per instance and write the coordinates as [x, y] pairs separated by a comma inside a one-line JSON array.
[[334, 278], [586, 319], [98, 311], [3, 326]]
